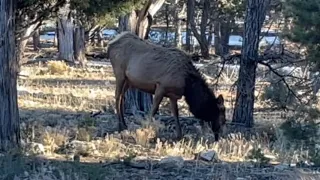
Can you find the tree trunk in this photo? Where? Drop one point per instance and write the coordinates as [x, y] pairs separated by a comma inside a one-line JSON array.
[[79, 46], [100, 37], [21, 47], [123, 23], [36, 40], [244, 106], [92, 38], [89, 34], [128, 22], [222, 32], [22, 42], [211, 30], [55, 40], [56, 35], [202, 39], [9, 112], [190, 12], [177, 23], [139, 22], [167, 25], [177, 37], [65, 38]]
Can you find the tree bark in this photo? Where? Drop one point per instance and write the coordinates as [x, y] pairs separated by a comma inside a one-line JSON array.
[[254, 18], [56, 36], [100, 37], [80, 46], [21, 47], [128, 22], [90, 33], [202, 39], [36, 40], [178, 18], [9, 112], [23, 40], [190, 12], [222, 32], [139, 22], [178, 42], [65, 38], [167, 25]]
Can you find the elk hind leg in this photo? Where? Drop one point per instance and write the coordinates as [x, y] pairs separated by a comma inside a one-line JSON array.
[[121, 101], [175, 112], [119, 86]]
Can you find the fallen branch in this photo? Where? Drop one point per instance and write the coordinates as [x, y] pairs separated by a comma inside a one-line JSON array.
[[44, 60], [102, 55]]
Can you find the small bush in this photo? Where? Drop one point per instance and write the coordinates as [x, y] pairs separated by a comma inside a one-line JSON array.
[[142, 136], [87, 122], [258, 155], [279, 95], [301, 130], [57, 67]]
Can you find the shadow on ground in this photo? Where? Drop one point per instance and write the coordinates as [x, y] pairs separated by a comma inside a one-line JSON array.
[[107, 122], [70, 82], [63, 120], [42, 168]]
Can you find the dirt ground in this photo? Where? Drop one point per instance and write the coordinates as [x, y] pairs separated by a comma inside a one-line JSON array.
[[61, 140]]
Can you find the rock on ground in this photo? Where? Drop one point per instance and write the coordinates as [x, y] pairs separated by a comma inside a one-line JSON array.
[[209, 155], [171, 162]]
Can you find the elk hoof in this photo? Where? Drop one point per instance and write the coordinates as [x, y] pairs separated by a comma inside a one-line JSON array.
[[179, 136], [216, 137]]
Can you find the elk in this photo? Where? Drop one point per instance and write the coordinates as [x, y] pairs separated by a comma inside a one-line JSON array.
[[163, 72]]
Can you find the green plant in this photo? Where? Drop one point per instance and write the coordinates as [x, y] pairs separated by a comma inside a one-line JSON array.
[[130, 154], [87, 122], [259, 156], [302, 130], [278, 94], [84, 134]]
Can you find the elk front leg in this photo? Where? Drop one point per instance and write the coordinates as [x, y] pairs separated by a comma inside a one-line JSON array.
[[175, 112]]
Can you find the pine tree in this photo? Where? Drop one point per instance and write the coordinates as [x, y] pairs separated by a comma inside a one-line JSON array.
[[9, 113], [305, 26]]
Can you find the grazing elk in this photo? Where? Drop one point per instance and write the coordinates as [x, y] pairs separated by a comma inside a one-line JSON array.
[[164, 72]]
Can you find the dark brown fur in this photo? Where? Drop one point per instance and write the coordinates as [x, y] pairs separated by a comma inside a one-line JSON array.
[[164, 72]]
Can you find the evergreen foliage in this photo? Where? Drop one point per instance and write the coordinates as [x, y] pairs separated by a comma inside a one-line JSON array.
[[31, 12], [279, 95], [305, 26], [102, 12]]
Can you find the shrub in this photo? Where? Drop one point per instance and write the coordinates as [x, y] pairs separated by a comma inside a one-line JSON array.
[[258, 155], [301, 130], [279, 95], [57, 67]]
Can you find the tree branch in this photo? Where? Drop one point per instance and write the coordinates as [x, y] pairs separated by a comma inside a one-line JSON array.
[[42, 15], [32, 33], [282, 78]]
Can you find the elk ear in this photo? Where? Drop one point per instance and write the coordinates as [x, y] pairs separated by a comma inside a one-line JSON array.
[[220, 99]]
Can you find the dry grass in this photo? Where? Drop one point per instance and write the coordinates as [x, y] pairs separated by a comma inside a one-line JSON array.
[[55, 106], [57, 67]]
